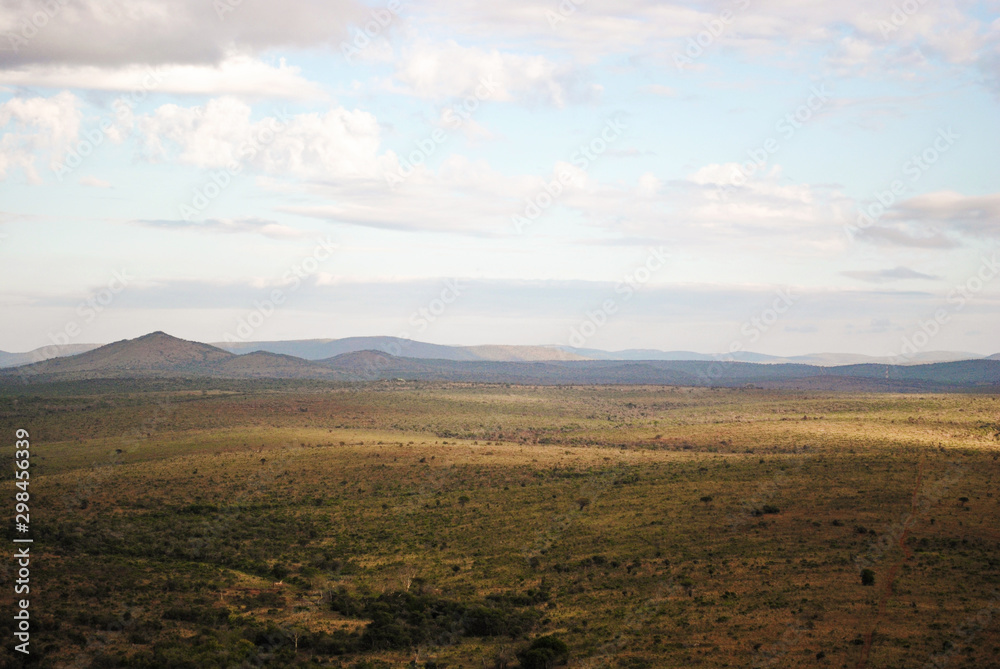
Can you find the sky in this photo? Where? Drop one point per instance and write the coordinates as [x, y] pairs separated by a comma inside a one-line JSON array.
[[770, 176]]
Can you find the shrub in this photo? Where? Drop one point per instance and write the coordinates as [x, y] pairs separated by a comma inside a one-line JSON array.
[[400, 620], [867, 577], [544, 652]]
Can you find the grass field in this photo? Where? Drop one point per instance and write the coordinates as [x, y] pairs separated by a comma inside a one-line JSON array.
[[453, 525]]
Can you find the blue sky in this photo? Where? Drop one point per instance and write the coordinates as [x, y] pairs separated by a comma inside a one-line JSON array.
[[212, 155]]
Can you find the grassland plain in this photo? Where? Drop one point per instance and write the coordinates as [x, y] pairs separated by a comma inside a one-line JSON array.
[[227, 524]]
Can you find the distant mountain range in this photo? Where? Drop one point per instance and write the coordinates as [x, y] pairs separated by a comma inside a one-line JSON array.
[[45, 353], [159, 355], [322, 349]]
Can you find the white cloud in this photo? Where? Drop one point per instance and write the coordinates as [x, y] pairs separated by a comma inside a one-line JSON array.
[[659, 89], [94, 182], [463, 196], [37, 127], [887, 275], [851, 33], [332, 145], [266, 228], [236, 75], [446, 70]]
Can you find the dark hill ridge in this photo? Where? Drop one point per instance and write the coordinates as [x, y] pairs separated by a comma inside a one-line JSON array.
[[159, 355], [264, 365], [938, 376]]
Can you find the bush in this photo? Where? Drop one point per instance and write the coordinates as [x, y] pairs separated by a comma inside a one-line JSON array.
[[400, 620], [544, 652], [867, 577]]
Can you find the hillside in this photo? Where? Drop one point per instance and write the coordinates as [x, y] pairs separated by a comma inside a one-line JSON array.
[[264, 365], [149, 355], [521, 353]]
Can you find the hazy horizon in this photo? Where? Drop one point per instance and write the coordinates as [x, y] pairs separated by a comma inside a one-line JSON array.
[[719, 354]]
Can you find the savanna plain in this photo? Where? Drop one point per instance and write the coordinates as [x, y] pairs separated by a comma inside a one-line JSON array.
[[392, 524]]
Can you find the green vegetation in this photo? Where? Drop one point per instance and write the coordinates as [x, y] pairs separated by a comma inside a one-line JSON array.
[[432, 525]]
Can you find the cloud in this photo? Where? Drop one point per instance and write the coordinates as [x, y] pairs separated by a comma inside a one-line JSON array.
[[850, 36], [888, 235], [660, 90], [94, 182], [266, 228], [332, 145], [235, 75], [462, 196], [887, 275], [977, 216], [153, 32], [693, 210], [937, 220], [447, 70], [37, 127]]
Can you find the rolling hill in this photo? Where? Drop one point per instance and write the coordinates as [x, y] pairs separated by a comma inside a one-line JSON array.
[[159, 355], [150, 355], [264, 365]]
